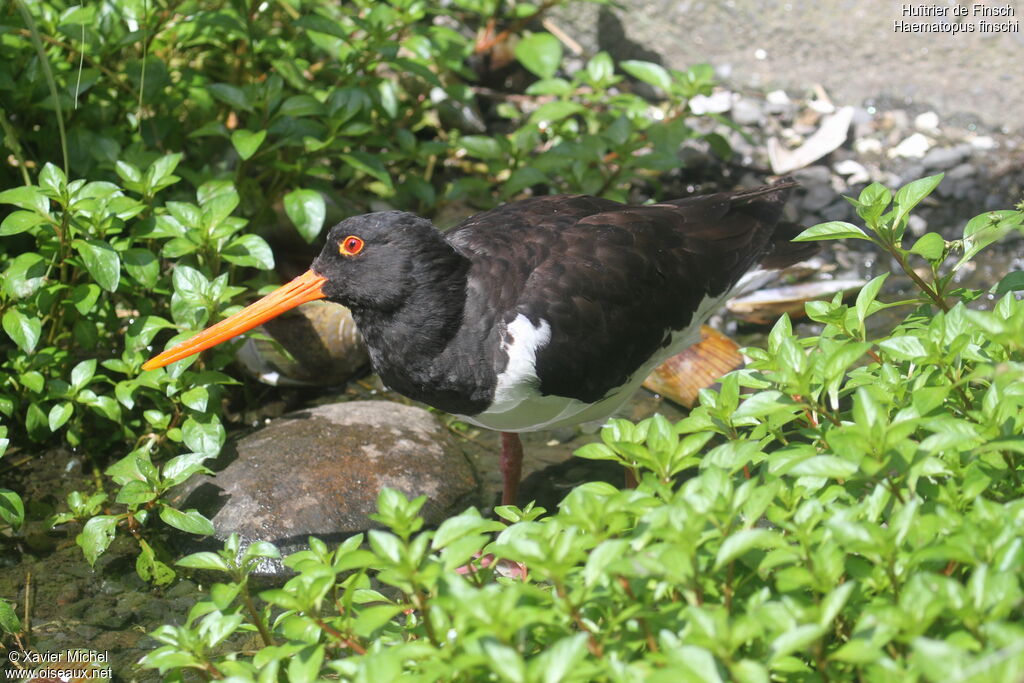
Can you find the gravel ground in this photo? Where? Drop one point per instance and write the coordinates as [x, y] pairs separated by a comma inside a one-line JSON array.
[[850, 47]]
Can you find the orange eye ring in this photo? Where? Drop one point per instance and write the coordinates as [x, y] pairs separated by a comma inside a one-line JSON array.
[[350, 246]]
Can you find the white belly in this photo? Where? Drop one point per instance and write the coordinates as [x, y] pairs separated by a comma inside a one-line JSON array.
[[518, 405]]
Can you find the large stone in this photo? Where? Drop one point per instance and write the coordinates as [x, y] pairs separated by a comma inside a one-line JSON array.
[[318, 472]]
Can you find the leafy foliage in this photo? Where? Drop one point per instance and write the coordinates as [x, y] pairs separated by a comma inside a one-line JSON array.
[[189, 131], [846, 507]]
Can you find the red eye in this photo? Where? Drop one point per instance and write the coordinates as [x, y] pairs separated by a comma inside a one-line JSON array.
[[350, 246]]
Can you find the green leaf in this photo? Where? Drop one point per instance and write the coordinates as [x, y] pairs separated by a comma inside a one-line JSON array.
[[540, 53], [743, 541], [370, 165], [143, 265], [196, 398], [12, 509], [828, 466], [8, 619], [23, 330], [53, 179], [203, 560], [905, 347], [482, 146], [246, 142], [307, 210], [24, 276], [59, 414], [930, 246], [83, 373], [231, 96], [206, 436], [84, 297], [648, 72], [102, 262], [506, 660], [249, 250], [1011, 282], [136, 492], [833, 230], [189, 521], [908, 196], [20, 221], [866, 297], [304, 666], [27, 197], [96, 536]]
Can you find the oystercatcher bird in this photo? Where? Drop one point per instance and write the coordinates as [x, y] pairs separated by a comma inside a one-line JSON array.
[[543, 312]]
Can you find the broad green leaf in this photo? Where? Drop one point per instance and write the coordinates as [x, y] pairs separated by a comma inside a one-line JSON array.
[[20, 221], [743, 541], [189, 520], [930, 246], [204, 436], [8, 619], [540, 53], [910, 195], [370, 165], [84, 297], [23, 330], [59, 414], [246, 142], [27, 197], [866, 297], [142, 265], [833, 230], [203, 560], [102, 262], [905, 347], [83, 373], [648, 72], [249, 250], [828, 466], [12, 509], [482, 146], [307, 210], [232, 96], [136, 493], [24, 276], [96, 535], [1011, 282]]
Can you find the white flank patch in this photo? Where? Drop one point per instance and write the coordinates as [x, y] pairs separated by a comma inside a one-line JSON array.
[[518, 381], [518, 405]]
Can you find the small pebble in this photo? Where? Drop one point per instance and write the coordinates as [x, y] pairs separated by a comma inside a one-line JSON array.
[[928, 122], [865, 146], [716, 103], [915, 145]]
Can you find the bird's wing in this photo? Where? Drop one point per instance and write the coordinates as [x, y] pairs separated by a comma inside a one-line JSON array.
[[617, 284]]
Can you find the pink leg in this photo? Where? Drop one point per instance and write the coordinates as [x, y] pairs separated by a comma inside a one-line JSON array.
[[511, 466]]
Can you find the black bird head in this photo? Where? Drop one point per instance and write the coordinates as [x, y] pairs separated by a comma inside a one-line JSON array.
[[370, 261]]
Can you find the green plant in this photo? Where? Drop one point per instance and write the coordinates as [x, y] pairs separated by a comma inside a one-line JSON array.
[[82, 306], [186, 129], [12, 508], [850, 510], [593, 135]]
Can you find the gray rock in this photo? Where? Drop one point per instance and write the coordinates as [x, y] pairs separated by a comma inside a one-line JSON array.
[[318, 472], [814, 175], [837, 211], [943, 158], [916, 225], [961, 171], [818, 197], [747, 112]]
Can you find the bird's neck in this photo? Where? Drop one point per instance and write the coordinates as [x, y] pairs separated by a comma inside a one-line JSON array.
[[406, 339]]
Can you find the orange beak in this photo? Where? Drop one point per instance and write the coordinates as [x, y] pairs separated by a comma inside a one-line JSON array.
[[306, 287]]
